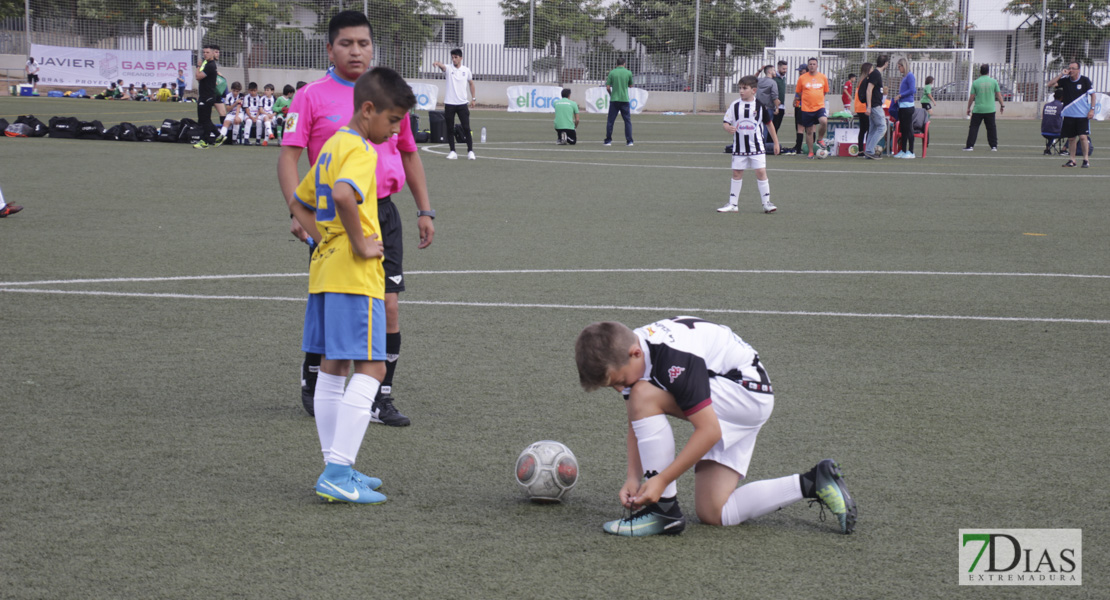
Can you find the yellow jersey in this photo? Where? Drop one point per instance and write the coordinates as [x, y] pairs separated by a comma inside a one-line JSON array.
[[349, 158]]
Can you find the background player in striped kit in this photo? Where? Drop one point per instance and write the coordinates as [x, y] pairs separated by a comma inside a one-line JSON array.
[[233, 103], [747, 119], [266, 113], [252, 104]]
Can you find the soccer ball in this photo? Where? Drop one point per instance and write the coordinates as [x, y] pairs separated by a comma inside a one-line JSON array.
[[822, 153], [547, 471]]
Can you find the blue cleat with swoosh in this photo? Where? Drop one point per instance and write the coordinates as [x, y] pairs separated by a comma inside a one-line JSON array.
[[341, 483], [650, 520]]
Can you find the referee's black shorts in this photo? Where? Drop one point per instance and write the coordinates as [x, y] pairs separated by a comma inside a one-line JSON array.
[[1075, 126], [389, 218]]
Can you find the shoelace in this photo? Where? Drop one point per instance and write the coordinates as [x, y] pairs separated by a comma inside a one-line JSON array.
[[821, 504]]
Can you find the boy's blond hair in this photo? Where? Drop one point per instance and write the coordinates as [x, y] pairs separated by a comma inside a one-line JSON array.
[[599, 348]]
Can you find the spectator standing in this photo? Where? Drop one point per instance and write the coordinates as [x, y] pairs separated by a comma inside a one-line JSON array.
[[907, 92], [860, 108], [874, 95], [980, 105], [812, 86], [32, 69], [206, 96], [566, 119], [617, 83], [455, 103], [1078, 110], [780, 81], [927, 95], [181, 85], [767, 93]]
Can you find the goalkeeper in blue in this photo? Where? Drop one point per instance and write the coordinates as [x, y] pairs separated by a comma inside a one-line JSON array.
[[337, 204], [701, 372]]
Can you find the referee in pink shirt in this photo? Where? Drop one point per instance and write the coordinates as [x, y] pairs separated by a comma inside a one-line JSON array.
[[319, 110]]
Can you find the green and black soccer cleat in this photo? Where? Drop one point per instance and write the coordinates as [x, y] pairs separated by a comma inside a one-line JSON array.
[[833, 494]]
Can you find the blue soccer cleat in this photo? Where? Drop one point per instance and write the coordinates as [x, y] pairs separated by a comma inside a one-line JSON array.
[[371, 482], [339, 483], [650, 520], [832, 494]]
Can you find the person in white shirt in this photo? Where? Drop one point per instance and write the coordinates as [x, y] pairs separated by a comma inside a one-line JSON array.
[[455, 102], [32, 73]]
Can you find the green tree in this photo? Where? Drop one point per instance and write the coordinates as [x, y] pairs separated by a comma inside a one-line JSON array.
[[895, 23], [402, 28], [11, 8], [121, 18], [729, 28], [238, 25], [1072, 29], [555, 21]]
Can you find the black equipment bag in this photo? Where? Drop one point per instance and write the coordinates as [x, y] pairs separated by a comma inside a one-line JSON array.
[[38, 128], [147, 133], [191, 132], [128, 132], [3, 125], [112, 133], [170, 131], [64, 127], [90, 130], [438, 122]]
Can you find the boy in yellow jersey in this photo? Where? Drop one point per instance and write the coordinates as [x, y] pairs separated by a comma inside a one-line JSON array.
[[345, 317]]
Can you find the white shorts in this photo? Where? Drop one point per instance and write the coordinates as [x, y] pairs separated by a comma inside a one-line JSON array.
[[742, 414], [755, 161]]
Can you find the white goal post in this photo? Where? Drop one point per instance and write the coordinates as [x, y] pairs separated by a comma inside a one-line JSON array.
[[951, 68]]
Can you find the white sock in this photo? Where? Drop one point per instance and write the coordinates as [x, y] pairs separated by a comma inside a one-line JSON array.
[[235, 131], [759, 498], [353, 417], [269, 129], [764, 189], [223, 130], [2, 203], [246, 130], [734, 190], [325, 404], [655, 440]]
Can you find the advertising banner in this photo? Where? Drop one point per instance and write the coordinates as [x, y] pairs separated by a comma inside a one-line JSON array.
[[597, 100], [95, 68], [426, 95], [533, 98]]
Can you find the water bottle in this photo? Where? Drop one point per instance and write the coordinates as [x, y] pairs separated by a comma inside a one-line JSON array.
[[483, 135]]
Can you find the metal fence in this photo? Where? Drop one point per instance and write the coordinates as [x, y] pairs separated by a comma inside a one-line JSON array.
[[672, 45]]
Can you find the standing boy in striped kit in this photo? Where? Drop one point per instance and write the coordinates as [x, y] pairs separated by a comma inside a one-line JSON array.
[[747, 119]]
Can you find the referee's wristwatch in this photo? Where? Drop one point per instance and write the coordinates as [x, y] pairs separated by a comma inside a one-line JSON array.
[[426, 213]]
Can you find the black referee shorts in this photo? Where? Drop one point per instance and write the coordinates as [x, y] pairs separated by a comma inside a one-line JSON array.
[[389, 218], [1075, 126]]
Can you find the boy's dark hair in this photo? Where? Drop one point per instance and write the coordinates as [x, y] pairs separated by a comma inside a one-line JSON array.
[[268, 86], [385, 88], [929, 80], [164, 85], [881, 61], [288, 89], [1058, 94], [345, 19], [984, 69], [749, 81], [851, 76], [457, 52], [566, 92], [252, 86], [235, 85], [300, 84], [621, 60], [599, 348]]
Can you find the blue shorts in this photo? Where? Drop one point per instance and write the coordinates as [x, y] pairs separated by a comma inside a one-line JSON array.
[[344, 326], [809, 119]]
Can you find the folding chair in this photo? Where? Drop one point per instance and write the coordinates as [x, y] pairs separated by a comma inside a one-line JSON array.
[[920, 130]]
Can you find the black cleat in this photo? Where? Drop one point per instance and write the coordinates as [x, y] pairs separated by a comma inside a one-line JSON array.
[[385, 413]]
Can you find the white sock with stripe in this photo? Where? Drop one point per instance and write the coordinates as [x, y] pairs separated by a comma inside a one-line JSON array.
[[325, 405], [734, 190], [352, 418], [759, 498], [2, 203], [655, 441]]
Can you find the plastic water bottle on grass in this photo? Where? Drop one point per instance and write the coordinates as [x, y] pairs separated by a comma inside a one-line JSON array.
[[483, 135]]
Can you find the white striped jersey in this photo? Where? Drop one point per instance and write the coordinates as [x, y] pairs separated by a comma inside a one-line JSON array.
[[230, 98], [682, 353], [252, 103], [750, 118], [267, 105]]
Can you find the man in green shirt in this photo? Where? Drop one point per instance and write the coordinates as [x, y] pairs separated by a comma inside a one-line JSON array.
[[980, 107], [566, 119], [617, 84]]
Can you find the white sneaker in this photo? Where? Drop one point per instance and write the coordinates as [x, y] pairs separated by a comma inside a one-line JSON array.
[[606, 143], [628, 144], [452, 156], [910, 155], [730, 207], [769, 208], [470, 156]]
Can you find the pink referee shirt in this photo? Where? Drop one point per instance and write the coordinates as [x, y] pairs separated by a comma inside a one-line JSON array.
[[322, 108]]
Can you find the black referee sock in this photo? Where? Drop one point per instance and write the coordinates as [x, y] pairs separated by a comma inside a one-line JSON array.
[[809, 483], [798, 143], [392, 353]]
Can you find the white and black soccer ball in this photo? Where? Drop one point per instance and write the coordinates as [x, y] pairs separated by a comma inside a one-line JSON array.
[[822, 153], [547, 470]]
